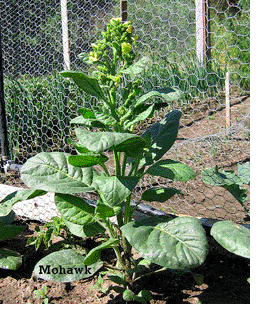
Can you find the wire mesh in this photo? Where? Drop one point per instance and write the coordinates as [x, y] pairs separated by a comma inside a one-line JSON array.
[[40, 104]]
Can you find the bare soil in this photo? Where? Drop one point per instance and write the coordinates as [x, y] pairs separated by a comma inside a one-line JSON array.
[[224, 275]]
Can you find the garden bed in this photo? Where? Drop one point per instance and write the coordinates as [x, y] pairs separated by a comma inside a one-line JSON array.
[[222, 280]]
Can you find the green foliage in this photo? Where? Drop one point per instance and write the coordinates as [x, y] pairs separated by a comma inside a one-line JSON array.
[[233, 237], [64, 266], [42, 293], [114, 80], [231, 42], [51, 229], [39, 110], [115, 191], [230, 180], [175, 244], [10, 259]]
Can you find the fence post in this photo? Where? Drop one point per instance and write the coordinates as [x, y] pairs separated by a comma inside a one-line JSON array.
[[123, 10], [203, 44], [65, 34], [228, 111], [5, 151]]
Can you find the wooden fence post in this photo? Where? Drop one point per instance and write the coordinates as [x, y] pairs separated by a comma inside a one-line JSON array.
[[5, 151], [65, 34], [123, 10], [203, 31]]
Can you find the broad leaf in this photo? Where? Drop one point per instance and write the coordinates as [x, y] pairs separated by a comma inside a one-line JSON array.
[[213, 176], [100, 141], [94, 255], [172, 243], [104, 116], [228, 180], [10, 259], [52, 172], [244, 172], [86, 113], [64, 266], [85, 83], [80, 149], [171, 169], [161, 136], [77, 230], [166, 94], [140, 117], [137, 67], [75, 210], [87, 160], [233, 237], [159, 194], [114, 190], [103, 211], [18, 196], [7, 219]]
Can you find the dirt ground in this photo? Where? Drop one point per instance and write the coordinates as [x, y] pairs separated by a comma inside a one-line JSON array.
[[224, 275]]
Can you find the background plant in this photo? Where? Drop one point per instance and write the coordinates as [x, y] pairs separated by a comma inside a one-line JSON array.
[[10, 259], [233, 237], [33, 118]]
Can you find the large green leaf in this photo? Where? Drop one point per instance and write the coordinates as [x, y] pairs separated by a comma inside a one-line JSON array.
[[52, 172], [94, 255], [77, 211], [18, 196], [244, 172], [166, 94], [228, 180], [87, 160], [100, 141], [64, 266], [85, 83], [140, 117], [171, 169], [137, 68], [213, 176], [114, 190], [172, 243], [161, 136], [233, 237], [10, 259], [104, 116], [159, 194]]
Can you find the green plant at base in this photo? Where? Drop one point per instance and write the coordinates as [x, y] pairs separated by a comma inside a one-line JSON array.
[[42, 293], [156, 239], [10, 259], [46, 235]]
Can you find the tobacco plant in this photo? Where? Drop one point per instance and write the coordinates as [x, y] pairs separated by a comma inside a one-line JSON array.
[[175, 244], [233, 237]]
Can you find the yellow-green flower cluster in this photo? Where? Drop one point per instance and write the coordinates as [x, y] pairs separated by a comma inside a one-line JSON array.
[[118, 37]]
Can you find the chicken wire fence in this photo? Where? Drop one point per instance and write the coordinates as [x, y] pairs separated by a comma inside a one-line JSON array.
[[40, 104]]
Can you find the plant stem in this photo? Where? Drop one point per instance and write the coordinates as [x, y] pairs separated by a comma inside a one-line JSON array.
[[124, 165], [117, 163], [104, 168], [149, 273]]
